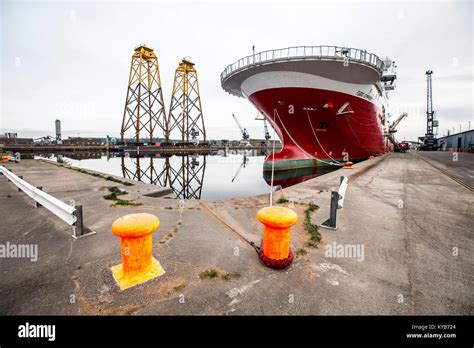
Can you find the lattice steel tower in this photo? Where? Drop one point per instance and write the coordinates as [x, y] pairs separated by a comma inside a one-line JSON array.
[[429, 142], [186, 180], [185, 110], [429, 105], [144, 107], [184, 176]]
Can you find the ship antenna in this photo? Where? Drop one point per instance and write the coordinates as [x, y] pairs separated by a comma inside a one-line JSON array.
[[273, 160]]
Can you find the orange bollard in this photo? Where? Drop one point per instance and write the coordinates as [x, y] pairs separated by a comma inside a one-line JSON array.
[[371, 157], [348, 165], [275, 250], [138, 264]]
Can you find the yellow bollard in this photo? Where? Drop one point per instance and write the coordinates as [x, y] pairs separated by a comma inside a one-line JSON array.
[[348, 165], [138, 264], [275, 250]]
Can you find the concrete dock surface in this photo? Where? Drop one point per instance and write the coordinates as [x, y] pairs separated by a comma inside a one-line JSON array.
[[410, 223]]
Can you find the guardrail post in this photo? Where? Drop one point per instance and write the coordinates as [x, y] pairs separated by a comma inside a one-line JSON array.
[[21, 177], [331, 222], [337, 202], [37, 205], [78, 226]]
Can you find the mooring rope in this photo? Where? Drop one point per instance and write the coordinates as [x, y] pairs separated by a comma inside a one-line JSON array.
[[300, 148], [314, 133], [273, 162], [358, 140]]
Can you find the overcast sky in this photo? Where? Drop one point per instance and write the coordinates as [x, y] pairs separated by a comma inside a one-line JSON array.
[[71, 60]]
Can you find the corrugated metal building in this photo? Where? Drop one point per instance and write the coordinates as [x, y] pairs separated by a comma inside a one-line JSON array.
[[461, 142]]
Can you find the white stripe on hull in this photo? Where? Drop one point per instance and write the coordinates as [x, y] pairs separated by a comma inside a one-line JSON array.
[[281, 79]]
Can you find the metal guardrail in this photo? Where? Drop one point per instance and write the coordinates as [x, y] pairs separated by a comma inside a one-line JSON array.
[[307, 53], [337, 202], [72, 215]]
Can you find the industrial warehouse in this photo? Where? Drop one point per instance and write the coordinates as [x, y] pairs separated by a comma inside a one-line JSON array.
[[243, 172]]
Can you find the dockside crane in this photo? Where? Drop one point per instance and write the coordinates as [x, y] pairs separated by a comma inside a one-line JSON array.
[[392, 129], [267, 133], [429, 142], [194, 134], [242, 165], [245, 134]]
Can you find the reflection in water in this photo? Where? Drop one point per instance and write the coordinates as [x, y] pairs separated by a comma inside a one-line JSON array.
[[288, 178], [245, 159], [64, 157], [185, 177], [142, 169], [246, 152], [186, 182], [84, 155], [227, 173]]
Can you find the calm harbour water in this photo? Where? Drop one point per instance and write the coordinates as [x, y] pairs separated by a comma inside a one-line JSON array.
[[237, 174]]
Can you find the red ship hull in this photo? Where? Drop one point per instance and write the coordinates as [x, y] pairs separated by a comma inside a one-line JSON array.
[[327, 103], [314, 134]]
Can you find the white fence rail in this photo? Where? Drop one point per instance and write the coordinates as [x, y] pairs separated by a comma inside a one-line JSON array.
[[72, 215], [342, 192], [305, 52]]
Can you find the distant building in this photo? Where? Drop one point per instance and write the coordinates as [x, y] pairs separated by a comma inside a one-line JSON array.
[[258, 143], [219, 143], [12, 139], [461, 142], [78, 141], [141, 141], [261, 142]]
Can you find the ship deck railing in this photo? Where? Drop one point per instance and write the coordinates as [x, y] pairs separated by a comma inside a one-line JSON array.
[[335, 53]]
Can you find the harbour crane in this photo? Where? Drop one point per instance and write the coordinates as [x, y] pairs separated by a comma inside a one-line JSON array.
[[267, 133], [245, 134], [393, 126], [242, 165], [392, 129], [194, 134], [429, 140]]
